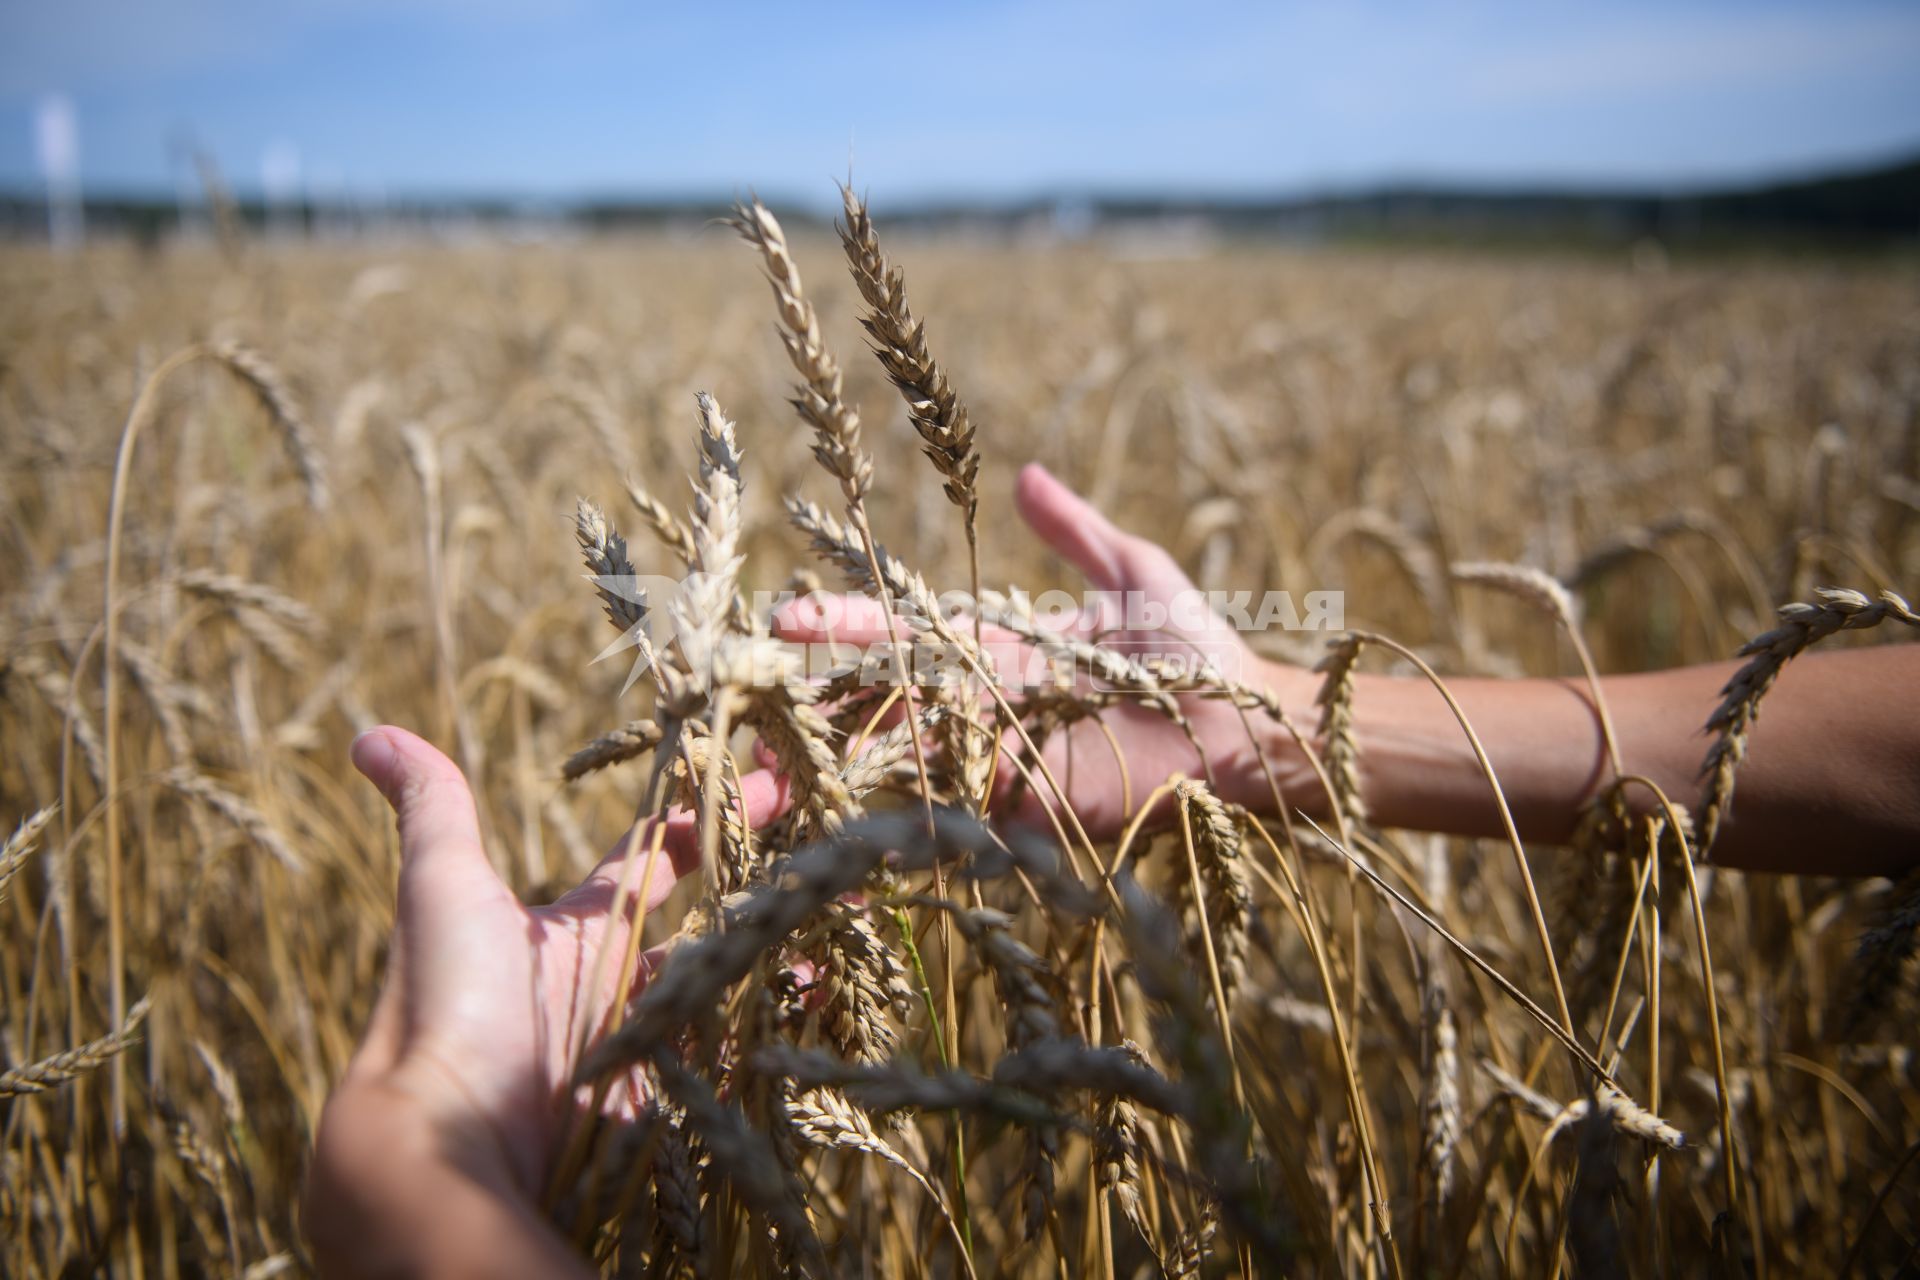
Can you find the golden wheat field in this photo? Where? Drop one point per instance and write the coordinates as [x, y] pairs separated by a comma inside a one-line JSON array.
[[353, 501]]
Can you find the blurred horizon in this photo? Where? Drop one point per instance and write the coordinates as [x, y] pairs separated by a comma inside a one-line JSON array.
[[576, 101]]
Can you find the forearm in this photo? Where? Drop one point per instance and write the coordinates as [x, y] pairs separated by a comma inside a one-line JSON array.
[[1831, 783], [390, 1195]]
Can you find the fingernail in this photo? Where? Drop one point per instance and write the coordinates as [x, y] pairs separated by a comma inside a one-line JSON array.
[[372, 754]]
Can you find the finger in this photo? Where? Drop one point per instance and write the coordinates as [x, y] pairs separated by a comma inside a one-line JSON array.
[[859, 620], [765, 796], [820, 618], [1111, 559], [440, 846]]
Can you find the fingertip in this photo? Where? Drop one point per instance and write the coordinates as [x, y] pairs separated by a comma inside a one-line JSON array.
[[373, 755], [1032, 489], [766, 794]]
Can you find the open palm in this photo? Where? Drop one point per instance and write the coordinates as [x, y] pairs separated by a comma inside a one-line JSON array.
[[1081, 757], [485, 998]]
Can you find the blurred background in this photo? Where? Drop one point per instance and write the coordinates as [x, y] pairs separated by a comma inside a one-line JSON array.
[[1695, 122]]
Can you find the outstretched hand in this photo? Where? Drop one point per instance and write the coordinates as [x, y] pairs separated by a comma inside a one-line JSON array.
[[1135, 579], [471, 1046]]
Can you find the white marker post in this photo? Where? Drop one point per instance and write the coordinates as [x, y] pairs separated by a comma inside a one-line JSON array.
[[57, 135], [280, 183]]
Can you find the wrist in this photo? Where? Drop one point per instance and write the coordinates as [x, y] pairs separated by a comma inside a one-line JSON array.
[[1259, 754], [397, 1189]]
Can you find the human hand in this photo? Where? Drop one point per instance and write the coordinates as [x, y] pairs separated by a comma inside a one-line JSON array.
[[458, 1096], [1127, 571]]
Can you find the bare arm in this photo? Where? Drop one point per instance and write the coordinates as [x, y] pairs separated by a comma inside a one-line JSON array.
[[1830, 786]]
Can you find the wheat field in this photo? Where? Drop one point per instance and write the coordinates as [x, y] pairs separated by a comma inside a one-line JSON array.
[[350, 498]]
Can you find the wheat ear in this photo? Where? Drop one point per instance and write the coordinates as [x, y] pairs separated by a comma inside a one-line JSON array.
[[263, 378], [1228, 903], [666, 526], [1883, 953], [820, 402], [863, 982], [1342, 752], [1802, 626], [636, 738], [249, 820], [900, 342], [48, 1073], [19, 846], [1546, 593]]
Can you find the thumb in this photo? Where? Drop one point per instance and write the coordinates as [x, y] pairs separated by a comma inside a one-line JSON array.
[[439, 829]]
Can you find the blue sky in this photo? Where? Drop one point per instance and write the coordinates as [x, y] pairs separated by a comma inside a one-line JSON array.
[[571, 97]]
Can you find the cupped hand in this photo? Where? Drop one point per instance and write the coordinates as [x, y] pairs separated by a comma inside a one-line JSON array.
[[474, 1036], [1137, 581]]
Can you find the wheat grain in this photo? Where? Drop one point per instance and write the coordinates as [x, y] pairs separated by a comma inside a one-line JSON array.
[[864, 987]]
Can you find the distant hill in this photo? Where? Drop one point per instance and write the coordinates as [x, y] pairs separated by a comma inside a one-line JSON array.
[[1864, 209]]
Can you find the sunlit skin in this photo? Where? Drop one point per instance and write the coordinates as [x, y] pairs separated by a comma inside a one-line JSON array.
[[436, 1142], [434, 1145]]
